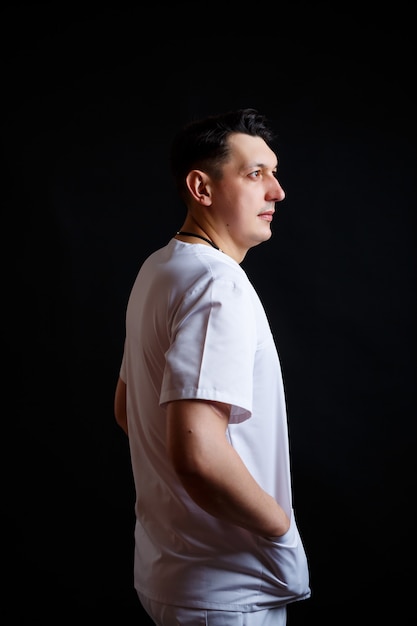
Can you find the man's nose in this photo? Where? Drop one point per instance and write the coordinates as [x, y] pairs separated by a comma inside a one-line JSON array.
[[276, 193]]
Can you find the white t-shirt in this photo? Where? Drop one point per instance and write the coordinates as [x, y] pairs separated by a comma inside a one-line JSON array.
[[195, 328]]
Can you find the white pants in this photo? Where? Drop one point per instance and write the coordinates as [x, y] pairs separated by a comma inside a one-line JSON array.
[[167, 615]]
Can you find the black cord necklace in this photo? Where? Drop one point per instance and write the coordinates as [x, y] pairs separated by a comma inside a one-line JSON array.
[[183, 232]]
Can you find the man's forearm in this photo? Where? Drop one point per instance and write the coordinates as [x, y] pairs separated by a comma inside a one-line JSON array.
[[213, 473]]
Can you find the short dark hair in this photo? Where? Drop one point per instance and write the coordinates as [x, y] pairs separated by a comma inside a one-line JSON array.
[[203, 143]]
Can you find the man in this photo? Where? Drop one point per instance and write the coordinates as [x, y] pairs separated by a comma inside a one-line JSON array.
[[201, 398]]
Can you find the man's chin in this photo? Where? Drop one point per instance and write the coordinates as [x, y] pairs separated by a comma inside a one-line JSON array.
[[267, 235]]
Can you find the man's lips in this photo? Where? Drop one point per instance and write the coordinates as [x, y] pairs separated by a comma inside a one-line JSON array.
[[267, 216]]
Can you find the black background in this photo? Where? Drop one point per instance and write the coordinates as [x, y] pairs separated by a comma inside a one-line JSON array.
[[92, 97]]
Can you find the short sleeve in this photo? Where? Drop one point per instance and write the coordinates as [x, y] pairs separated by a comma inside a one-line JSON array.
[[213, 347]]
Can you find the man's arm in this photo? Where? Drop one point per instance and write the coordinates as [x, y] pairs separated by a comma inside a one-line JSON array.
[[120, 405], [213, 473]]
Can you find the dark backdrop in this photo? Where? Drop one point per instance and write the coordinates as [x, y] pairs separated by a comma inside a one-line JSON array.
[[93, 96]]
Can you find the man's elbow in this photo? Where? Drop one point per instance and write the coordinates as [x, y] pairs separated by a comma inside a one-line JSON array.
[[120, 412]]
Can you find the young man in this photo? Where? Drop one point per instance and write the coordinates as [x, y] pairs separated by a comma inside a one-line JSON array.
[[201, 397]]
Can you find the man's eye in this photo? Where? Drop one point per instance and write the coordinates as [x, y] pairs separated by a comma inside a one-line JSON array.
[[255, 174]]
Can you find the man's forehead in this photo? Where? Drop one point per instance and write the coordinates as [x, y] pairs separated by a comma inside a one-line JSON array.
[[249, 151]]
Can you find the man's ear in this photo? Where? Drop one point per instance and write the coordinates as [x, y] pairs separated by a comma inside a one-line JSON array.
[[198, 183]]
